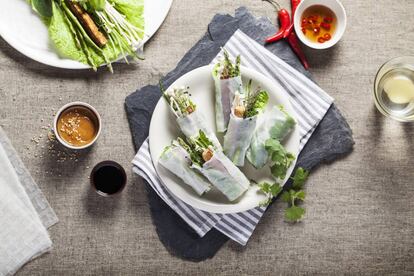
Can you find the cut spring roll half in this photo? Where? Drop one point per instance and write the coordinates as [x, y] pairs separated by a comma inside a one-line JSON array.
[[243, 120], [189, 119], [276, 124], [227, 81], [216, 167], [176, 159]]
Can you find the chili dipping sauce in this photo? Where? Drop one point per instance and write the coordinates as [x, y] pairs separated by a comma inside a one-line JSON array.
[[318, 23]]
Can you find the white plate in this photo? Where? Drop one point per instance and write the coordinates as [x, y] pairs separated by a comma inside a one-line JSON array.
[[25, 32], [163, 129]]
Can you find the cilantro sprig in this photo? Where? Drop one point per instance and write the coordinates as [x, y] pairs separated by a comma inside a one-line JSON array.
[[280, 158], [292, 196], [270, 190]]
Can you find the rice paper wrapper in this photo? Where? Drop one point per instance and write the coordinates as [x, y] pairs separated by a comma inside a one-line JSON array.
[[276, 124], [225, 176], [225, 91], [238, 137], [176, 160], [191, 124]]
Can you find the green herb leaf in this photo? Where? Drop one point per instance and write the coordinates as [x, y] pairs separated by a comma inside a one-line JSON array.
[[256, 103], [265, 187], [294, 213], [203, 140], [271, 190], [275, 189], [226, 68], [281, 159], [43, 7], [300, 195], [195, 155], [299, 178], [286, 197]]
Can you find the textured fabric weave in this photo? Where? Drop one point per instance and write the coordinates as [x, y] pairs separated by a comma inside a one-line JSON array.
[[24, 213]]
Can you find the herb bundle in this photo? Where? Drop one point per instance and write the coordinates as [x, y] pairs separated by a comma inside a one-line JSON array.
[[180, 102], [225, 69]]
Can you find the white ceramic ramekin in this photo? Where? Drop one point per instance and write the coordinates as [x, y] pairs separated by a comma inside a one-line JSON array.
[[337, 8], [71, 105]]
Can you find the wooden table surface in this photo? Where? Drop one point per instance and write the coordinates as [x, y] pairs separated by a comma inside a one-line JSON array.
[[360, 210]]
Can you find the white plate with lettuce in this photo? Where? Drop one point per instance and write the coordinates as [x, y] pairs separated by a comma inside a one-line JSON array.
[[50, 34], [200, 85]]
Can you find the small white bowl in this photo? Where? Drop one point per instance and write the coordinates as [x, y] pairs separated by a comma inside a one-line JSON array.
[[71, 105], [337, 8]]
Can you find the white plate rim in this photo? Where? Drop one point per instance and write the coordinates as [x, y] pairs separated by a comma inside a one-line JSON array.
[[192, 200], [150, 20]]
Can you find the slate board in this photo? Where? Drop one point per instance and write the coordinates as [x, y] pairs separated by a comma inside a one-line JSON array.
[[331, 140]]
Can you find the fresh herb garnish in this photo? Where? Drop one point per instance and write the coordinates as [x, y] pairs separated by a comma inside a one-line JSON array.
[[271, 190], [196, 146], [180, 102], [225, 69], [280, 158], [195, 154], [255, 101], [293, 213], [202, 140]]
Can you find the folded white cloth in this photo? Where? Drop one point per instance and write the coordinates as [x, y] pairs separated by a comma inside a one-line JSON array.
[[311, 104], [24, 213]]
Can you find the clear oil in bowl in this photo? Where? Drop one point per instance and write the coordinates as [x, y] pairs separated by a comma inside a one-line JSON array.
[[395, 93]]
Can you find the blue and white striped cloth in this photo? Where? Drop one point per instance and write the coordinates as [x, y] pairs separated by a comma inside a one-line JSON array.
[[310, 103]]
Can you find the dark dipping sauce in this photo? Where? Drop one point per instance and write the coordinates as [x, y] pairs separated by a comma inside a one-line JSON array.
[[108, 178]]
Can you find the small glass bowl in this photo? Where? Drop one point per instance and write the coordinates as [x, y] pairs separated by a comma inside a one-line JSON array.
[[403, 63]]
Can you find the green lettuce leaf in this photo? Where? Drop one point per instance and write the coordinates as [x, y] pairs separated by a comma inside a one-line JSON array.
[[71, 41], [134, 12], [43, 7]]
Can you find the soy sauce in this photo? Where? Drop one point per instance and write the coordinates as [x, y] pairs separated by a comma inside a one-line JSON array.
[[108, 178]]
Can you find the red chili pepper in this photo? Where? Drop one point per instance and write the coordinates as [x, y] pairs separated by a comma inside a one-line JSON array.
[[288, 33], [326, 26], [284, 22], [327, 36], [294, 4], [284, 19], [321, 39], [328, 19], [294, 44]]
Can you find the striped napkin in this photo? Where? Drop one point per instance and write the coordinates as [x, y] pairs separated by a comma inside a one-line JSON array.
[[310, 103]]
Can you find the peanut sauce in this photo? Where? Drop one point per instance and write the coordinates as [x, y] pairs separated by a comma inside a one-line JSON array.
[[77, 126]]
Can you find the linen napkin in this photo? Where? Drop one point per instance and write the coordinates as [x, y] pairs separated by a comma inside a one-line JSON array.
[[25, 214], [309, 101]]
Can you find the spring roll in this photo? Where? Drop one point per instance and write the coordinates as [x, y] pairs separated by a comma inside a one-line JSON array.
[[227, 81], [189, 118], [276, 124], [216, 167], [176, 159], [238, 136], [243, 120], [224, 175]]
